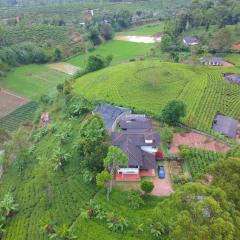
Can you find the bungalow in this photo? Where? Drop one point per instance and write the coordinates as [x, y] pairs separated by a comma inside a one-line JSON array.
[[111, 114], [191, 41], [141, 150], [140, 143], [225, 125], [233, 78], [214, 61]]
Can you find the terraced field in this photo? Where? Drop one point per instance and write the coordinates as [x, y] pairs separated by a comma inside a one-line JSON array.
[[147, 86], [22, 114]]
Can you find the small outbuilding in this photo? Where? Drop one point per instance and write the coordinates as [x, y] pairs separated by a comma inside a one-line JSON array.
[[191, 41], [225, 125], [213, 61]]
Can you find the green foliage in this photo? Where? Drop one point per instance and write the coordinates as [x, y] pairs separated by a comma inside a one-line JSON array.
[[115, 158], [199, 160], [134, 199], [116, 223], [103, 178], [97, 62], [166, 135], [93, 144], [78, 106], [8, 205], [172, 112], [147, 186]]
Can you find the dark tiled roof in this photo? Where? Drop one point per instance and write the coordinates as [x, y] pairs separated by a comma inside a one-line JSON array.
[[131, 144], [191, 40], [225, 125], [135, 123], [212, 59], [233, 78], [110, 113]]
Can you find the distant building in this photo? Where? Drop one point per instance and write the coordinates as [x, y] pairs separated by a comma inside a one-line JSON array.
[[233, 78], [111, 114], [191, 41], [236, 47], [225, 125], [213, 61]]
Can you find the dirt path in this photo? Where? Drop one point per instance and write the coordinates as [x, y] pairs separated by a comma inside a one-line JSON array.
[[139, 39], [162, 187]]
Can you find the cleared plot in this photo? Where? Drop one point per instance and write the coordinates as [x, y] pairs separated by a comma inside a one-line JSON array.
[[33, 80], [22, 114], [148, 85], [138, 39], [146, 30], [196, 140], [120, 50], [9, 102], [64, 67]]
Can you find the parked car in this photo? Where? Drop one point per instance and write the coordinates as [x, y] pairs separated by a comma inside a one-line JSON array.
[[161, 172]]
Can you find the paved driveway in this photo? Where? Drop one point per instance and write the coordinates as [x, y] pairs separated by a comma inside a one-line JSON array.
[[162, 187]]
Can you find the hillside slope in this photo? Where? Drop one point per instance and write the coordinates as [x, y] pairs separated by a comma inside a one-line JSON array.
[[148, 85]]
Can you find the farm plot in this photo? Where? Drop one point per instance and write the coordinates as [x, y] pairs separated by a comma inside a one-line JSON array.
[[22, 114], [199, 160], [147, 86], [33, 80], [9, 102]]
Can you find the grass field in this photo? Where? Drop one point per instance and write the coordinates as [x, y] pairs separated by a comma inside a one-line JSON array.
[[146, 30], [148, 85], [120, 50], [33, 80]]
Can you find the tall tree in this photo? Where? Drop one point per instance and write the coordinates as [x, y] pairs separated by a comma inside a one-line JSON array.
[[115, 158]]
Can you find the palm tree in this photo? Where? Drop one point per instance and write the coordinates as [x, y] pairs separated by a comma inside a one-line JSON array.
[[115, 158], [8, 205]]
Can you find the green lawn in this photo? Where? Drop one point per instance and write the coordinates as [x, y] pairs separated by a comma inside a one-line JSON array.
[[33, 80], [149, 85], [120, 50], [146, 30], [233, 58]]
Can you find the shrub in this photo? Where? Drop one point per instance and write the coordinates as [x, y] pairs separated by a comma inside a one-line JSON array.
[[147, 186], [134, 199], [116, 223]]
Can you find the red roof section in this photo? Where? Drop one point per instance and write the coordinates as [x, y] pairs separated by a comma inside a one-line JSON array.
[[236, 47], [159, 154]]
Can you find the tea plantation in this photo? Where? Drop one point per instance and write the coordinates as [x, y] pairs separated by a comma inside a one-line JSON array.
[[148, 85], [60, 196]]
